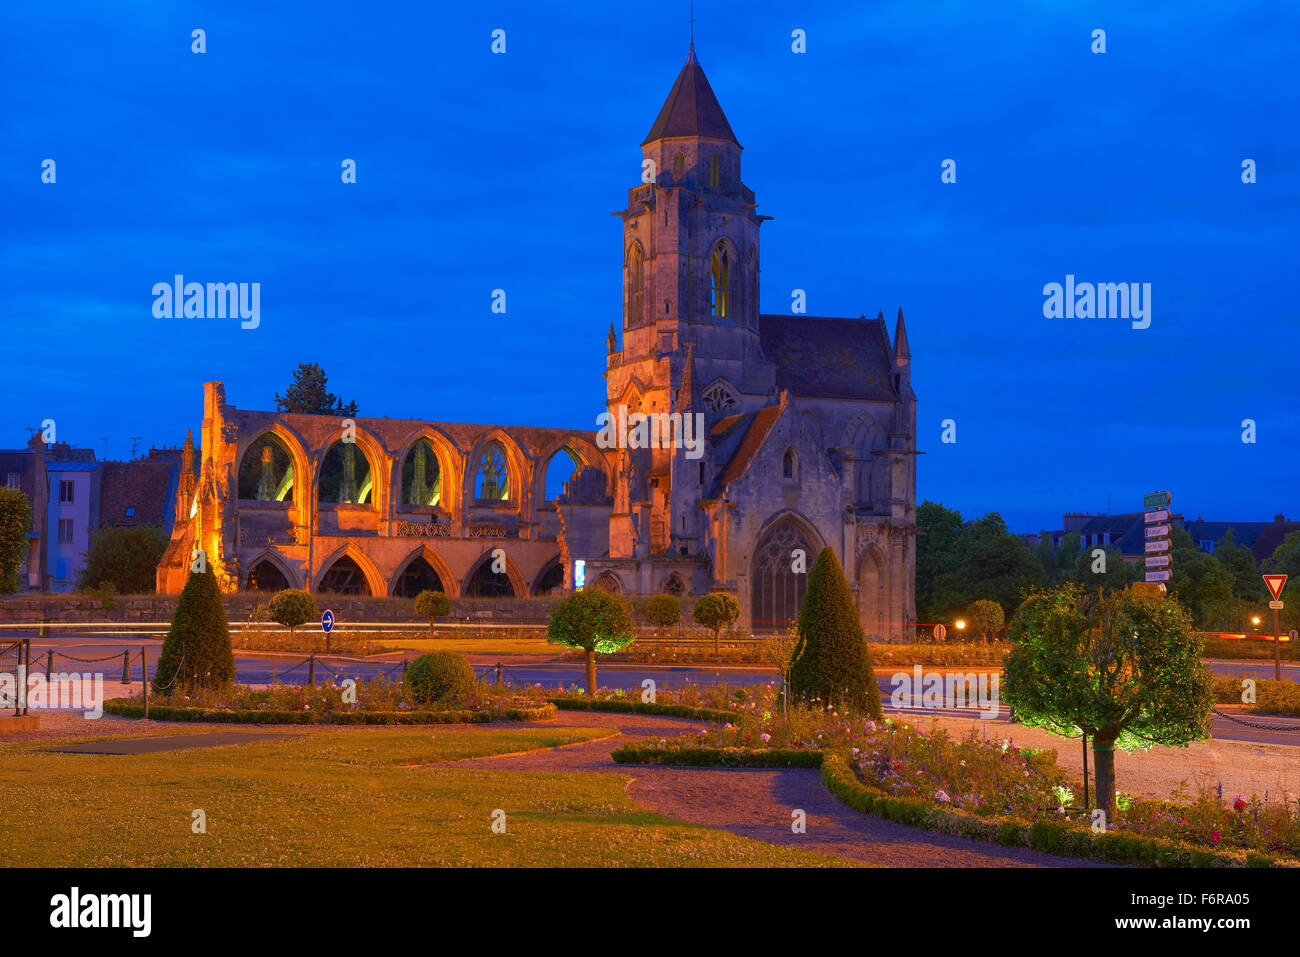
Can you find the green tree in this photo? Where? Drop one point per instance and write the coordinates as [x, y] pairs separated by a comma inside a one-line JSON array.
[[15, 525], [995, 564], [832, 662], [1240, 563], [1124, 668], [432, 604], [594, 620], [196, 652], [937, 531], [1199, 581], [292, 607], [663, 611], [1105, 572], [985, 619], [1285, 559], [126, 557], [716, 611], [308, 393]]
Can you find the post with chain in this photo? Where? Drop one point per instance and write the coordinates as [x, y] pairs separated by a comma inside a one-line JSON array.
[[144, 678], [311, 670], [126, 667]]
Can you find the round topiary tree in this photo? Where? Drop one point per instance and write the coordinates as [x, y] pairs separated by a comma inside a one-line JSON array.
[[663, 611], [292, 607], [594, 620], [716, 610], [832, 662], [1124, 668], [440, 677], [196, 652], [985, 619], [432, 604]]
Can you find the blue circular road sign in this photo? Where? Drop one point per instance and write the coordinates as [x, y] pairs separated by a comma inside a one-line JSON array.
[[327, 621]]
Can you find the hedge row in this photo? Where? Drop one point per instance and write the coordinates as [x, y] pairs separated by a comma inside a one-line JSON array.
[[719, 757], [1271, 696], [216, 716], [1050, 837], [640, 707]]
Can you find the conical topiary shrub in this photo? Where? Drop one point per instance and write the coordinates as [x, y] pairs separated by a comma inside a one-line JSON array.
[[831, 661], [196, 652]]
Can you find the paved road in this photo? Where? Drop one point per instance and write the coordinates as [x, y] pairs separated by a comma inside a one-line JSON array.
[[262, 668]]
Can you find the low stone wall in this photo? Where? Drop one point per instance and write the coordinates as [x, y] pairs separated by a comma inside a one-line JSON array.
[[23, 609]]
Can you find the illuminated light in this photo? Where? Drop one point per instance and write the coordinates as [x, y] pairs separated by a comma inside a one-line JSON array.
[[579, 574], [960, 623], [1255, 620]]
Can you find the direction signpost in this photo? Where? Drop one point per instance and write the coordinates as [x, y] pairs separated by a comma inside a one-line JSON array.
[[1275, 585], [1158, 562]]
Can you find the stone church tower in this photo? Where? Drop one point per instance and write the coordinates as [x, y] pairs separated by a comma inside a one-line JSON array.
[[810, 421]]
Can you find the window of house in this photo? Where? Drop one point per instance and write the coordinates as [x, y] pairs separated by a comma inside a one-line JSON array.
[[715, 172], [13, 480], [65, 530], [679, 162], [130, 512], [788, 466], [721, 276], [65, 492]]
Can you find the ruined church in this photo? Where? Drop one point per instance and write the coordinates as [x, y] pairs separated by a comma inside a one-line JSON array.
[[809, 441]]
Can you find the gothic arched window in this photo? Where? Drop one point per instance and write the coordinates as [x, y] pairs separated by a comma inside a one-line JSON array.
[[720, 269], [719, 399], [493, 480], [789, 466], [421, 477], [636, 286], [715, 172], [679, 162]]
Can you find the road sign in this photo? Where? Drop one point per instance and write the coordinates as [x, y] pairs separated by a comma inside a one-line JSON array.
[[1159, 545], [327, 622], [940, 632], [1157, 531], [1275, 584], [1162, 576], [1158, 561], [1160, 515], [1157, 500], [1275, 605]]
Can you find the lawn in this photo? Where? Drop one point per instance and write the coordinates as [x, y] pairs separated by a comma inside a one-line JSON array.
[[475, 646], [344, 797]]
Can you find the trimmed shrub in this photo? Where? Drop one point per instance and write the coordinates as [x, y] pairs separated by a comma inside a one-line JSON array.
[[716, 611], [292, 607], [594, 621], [196, 652], [625, 706], [831, 661], [663, 611], [718, 757], [432, 604], [441, 677]]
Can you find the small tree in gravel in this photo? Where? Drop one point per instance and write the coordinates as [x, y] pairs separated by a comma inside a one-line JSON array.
[[196, 652], [716, 610], [595, 621], [291, 608], [986, 619], [1124, 668], [432, 604], [832, 663], [663, 611]]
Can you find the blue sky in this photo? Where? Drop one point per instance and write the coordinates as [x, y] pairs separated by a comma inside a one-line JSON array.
[[479, 171]]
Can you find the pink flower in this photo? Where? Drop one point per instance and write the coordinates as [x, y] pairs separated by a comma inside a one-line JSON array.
[[1214, 837], [766, 737], [941, 796]]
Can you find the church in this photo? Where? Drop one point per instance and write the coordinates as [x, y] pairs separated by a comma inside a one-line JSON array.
[[808, 441]]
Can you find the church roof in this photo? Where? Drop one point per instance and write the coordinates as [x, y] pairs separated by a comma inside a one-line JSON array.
[[818, 357], [737, 438], [691, 108]]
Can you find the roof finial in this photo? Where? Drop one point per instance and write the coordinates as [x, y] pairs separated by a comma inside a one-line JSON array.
[[692, 29]]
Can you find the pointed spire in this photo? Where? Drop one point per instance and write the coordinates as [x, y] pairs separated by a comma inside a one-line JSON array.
[[686, 398], [901, 351], [612, 341], [691, 108]]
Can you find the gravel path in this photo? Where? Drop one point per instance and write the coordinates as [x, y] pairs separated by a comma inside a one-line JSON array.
[[758, 804]]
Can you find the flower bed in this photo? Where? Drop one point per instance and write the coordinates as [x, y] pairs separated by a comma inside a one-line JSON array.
[[377, 701]]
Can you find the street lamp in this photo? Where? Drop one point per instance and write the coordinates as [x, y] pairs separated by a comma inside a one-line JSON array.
[[960, 623]]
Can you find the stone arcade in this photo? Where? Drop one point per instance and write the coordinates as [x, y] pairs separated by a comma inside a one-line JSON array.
[[810, 441]]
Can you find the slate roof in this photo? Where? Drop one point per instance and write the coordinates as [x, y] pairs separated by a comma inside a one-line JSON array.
[[737, 439], [691, 108], [820, 357], [145, 486]]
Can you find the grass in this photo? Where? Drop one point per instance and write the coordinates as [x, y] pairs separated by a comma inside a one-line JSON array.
[[345, 797], [475, 646]]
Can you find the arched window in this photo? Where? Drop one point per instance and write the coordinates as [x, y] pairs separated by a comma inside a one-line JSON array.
[[266, 576], [344, 578], [418, 576], [679, 162], [486, 583], [789, 466], [266, 471], [421, 477], [492, 483], [563, 466], [345, 476], [718, 399], [636, 286], [715, 172], [720, 269]]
